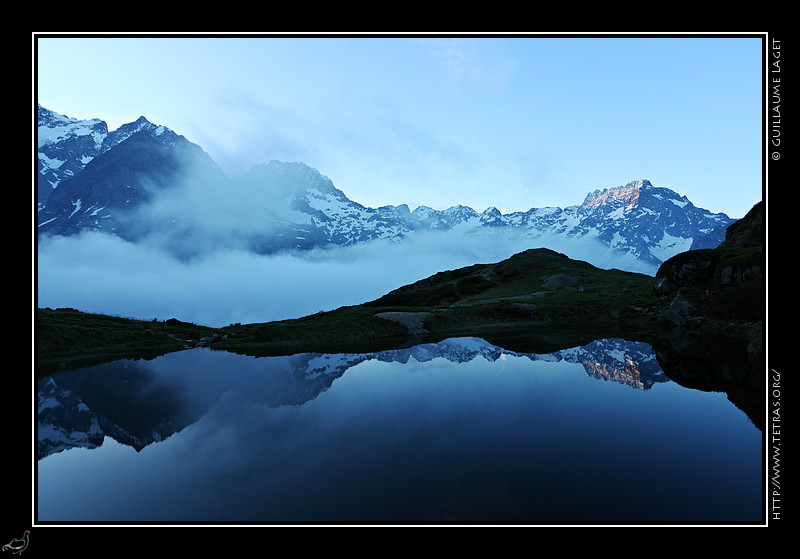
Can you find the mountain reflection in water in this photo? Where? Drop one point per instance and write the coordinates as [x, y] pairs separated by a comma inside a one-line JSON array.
[[139, 402], [455, 431]]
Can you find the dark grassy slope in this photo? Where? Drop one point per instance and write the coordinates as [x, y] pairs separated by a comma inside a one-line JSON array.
[[346, 329], [539, 297], [536, 295], [68, 338]]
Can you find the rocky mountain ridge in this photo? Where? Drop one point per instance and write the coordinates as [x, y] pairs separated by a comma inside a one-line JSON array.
[[93, 179]]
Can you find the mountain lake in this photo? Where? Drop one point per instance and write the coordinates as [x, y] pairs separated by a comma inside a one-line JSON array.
[[457, 432]]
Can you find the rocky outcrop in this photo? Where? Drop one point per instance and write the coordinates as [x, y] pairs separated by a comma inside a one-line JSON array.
[[715, 305], [737, 261], [714, 348]]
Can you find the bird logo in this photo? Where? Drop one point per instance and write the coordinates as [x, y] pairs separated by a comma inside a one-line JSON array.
[[18, 545]]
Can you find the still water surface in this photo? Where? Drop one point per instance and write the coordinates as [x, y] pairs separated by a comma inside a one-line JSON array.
[[460, 431]]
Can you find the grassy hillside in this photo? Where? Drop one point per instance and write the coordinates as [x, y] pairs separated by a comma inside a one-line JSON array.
[[539, 283], [68, 338], [347, 329], [539, 296]]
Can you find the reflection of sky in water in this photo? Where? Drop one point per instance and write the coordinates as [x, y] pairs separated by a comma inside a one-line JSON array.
[[507, 440]]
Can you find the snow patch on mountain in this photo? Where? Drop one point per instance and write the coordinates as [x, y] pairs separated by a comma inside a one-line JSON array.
[[670, 245]]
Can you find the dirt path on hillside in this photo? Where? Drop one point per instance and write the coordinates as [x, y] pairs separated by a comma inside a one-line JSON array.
[[411, 320]]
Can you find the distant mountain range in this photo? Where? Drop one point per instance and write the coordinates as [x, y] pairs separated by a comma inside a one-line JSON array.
[[143, 178]]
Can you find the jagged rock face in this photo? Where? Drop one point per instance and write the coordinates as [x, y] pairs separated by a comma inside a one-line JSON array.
[[628, 195], [736, 261], [91, 179], [680, 272], [64, 147], [748, 231], [724, 288], [90, 199]]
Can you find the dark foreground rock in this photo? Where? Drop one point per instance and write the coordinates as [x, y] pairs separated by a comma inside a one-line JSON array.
[[712, 327]]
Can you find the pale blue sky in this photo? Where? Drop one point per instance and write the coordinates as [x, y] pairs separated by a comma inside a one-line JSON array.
[[508, 122]]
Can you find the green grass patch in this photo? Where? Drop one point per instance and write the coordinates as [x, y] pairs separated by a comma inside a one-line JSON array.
[[339, 330], [66, 338]]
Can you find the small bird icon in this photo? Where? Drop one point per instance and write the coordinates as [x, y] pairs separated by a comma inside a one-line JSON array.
[[18, 545]]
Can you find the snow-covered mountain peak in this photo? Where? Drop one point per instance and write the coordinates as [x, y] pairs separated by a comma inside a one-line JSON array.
[[54, 128], [635, 194], [628, 194], [284, 180]]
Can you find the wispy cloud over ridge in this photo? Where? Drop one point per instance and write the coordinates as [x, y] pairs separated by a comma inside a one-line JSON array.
[[96, 272]]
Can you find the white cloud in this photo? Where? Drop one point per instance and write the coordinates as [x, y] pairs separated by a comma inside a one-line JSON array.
[[95, 272]]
